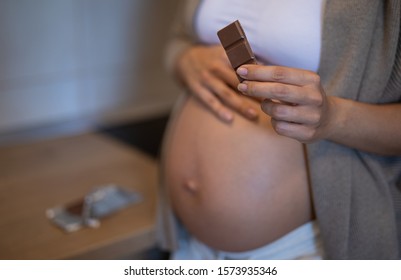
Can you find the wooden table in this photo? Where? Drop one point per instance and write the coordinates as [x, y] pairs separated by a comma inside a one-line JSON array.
[[37, 176]]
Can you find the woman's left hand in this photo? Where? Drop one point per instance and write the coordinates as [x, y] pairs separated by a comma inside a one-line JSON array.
[[293, 98]]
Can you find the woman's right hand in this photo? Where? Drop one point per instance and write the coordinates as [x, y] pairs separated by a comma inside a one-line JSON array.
[[207, 73]]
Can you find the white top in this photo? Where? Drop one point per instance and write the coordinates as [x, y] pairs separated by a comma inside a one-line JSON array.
[[280, 32]]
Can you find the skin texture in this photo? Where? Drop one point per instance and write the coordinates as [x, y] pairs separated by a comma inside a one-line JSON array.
[[230, 157], [207, 73], [226, 168], [300, 109], [294, 98], [240, 178]]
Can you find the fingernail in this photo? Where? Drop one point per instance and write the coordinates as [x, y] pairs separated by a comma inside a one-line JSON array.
[[252, 112], [242, 71], [227, 116], [242, 87]]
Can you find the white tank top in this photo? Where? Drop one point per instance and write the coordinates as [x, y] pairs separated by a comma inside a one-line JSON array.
[[281, 32]]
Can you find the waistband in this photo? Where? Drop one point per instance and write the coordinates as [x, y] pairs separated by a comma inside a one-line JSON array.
[[303, 242]]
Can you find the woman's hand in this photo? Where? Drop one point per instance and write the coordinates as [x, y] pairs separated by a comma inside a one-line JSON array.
[[300, 109], [206, 71], [293, 98]]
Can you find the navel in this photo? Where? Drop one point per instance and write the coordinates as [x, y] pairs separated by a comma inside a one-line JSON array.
[[191, 186]]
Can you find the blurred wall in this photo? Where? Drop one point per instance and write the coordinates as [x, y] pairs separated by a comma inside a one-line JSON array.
[[82, 60]]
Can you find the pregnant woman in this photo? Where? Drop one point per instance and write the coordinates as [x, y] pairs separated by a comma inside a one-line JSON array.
[[238, 180]]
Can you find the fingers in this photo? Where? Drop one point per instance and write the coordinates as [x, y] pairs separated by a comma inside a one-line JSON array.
[[301, 122], [206, 72], [288, 93], [211, 101], [296, 131], [293, 98], [228, 96], [280, 74], [286, 84], [291, 113]]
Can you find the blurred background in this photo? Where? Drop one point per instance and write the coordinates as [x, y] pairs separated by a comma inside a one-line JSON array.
[[87, 74], [82, 61]]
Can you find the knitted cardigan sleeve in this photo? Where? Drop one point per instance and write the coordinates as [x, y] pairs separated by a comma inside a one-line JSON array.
[[357, 195], [182, 34]]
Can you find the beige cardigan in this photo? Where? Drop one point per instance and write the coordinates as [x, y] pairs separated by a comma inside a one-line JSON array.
[[357, 195]]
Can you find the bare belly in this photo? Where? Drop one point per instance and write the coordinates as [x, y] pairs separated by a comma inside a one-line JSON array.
[[234, 186]]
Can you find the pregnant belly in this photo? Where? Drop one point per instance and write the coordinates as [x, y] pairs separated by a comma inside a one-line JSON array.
[[234, 186]]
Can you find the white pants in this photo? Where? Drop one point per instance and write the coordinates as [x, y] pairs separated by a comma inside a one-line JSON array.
[[302, 243]]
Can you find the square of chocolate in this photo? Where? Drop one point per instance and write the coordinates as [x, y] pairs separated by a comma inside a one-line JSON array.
[[236, 45]]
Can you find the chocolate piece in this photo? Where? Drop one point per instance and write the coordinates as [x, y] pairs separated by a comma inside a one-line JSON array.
[[237, 47]]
